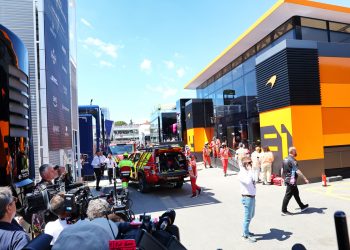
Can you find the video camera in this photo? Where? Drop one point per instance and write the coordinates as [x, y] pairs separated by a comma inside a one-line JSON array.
[[155, 234], [76, 202]]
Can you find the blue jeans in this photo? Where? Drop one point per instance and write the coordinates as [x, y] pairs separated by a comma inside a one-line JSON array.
[[249, 211]]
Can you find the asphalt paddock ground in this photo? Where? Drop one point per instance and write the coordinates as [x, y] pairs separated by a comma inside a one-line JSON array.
[[214, 219]]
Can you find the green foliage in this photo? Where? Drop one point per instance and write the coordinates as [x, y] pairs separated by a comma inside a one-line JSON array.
[[120, 123]]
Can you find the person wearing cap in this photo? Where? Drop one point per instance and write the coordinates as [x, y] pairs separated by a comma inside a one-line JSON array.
[[192, 170], [248, 191], [206, 155], [225, 154]]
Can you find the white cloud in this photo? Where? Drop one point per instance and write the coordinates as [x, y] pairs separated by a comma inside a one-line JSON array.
[[164, 90], [178, 55], [86, 23], [106, 64], [169, 64], [180, 72], [103, 47], [146, 65]]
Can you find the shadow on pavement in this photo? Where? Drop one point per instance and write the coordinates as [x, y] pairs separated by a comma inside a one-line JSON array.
[[274, 234], [313, 210], [163, 198]]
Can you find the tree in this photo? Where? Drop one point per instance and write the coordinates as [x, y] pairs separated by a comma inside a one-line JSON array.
[[120, 123]]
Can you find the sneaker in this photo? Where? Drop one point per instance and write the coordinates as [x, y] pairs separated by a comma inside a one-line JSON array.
[[306, 206], [225, 175], [286, 213], [250, 234], [193, 196], [249, 239], [199, 191], [211, 166]]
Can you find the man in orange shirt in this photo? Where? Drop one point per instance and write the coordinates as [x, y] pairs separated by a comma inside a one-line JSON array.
[[206, 155], [192, 169], [225, 154]]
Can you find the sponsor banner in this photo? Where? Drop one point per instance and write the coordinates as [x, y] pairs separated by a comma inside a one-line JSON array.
[[57, 74]]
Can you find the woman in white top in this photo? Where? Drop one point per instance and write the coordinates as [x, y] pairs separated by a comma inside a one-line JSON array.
[[266, 165], [256, 163]]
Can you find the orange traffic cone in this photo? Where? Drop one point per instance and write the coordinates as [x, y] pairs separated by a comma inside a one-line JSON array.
[[324, 180]]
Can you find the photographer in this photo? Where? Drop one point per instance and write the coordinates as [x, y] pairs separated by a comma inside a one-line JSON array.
[[12, 235], [54, 228]]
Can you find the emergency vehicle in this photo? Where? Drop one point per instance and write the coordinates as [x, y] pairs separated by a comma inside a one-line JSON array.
[[159, 165], [118, 149]]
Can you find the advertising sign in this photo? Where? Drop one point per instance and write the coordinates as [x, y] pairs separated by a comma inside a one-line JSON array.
[[58, 94]]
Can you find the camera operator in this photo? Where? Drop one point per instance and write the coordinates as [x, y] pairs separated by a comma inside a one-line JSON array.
[[47, 174], [94, 234], [54, 228], [12, 235]]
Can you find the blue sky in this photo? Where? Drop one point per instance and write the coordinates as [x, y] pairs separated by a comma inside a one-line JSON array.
[[136, 54]]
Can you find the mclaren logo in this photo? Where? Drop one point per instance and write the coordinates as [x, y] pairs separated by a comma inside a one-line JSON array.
[[272, 81], [189, 115]]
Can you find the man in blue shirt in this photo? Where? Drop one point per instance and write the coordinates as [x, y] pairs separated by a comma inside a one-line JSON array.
[[12, 235]]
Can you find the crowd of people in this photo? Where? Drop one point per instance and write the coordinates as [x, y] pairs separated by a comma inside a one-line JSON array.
[[254, 167]]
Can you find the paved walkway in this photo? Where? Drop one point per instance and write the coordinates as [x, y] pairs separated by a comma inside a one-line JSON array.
[[214, 219]]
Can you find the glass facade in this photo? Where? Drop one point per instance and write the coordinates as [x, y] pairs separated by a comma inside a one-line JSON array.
[[236, 114]]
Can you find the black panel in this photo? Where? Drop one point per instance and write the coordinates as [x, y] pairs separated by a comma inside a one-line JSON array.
[[297, 79], [199, 113]]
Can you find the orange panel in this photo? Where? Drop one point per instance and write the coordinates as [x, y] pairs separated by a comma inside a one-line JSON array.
[[335, 95], [336, 140], [334, 70], [336, 120], [319, 5], [307, 132]]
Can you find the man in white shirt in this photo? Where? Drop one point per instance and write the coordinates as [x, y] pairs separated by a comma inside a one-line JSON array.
[[97, 162], [248, 191], [54, 228], [240, 153], [111, 165]]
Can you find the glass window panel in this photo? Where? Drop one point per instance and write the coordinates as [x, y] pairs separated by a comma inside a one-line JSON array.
[[251, 92], [339, 37], [199, 93], [288, 35], [238, 87], [249, 65], [219, 97], [313, 23], [283, 29], [237, 72], [227, 78], [340, 27], [314, 34]]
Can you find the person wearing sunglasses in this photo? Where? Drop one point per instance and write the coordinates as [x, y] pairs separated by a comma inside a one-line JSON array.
[[12, 235]]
